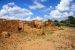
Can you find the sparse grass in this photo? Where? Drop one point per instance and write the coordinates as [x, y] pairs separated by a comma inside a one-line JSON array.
[[49, 31], [46, 31], [23, 33]]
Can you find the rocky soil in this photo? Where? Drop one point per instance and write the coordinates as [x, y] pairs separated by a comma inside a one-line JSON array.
[[52, 40]]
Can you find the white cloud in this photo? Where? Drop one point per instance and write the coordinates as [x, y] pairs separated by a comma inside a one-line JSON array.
[[55, 14], [14, 12], [63, 5], [5, 7], [73, 7], [63, 10], [37, 18], [11, 3], [36, 5], [47, 9]]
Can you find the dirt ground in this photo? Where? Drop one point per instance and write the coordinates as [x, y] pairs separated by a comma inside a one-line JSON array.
[[56, 40]]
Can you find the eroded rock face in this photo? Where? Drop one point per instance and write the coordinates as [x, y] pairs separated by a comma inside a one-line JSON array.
[[9, 25], [25, 26]]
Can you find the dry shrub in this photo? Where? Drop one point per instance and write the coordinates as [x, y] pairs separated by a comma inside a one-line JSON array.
[[4, 34]]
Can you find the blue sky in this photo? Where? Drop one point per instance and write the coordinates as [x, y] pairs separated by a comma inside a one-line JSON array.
[[37, 9]]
